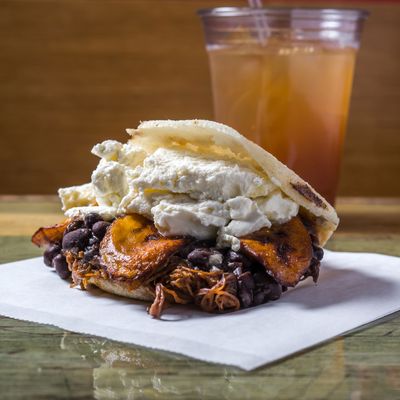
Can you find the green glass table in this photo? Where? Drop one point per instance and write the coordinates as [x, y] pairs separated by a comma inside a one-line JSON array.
[[44, 362]]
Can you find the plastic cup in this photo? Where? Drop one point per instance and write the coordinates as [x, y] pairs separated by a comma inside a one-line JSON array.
[[283, 78]]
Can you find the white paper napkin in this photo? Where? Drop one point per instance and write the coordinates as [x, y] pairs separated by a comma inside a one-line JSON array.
[[353, 289]]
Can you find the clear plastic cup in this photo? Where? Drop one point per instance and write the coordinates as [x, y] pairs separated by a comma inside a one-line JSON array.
[[283, 78]]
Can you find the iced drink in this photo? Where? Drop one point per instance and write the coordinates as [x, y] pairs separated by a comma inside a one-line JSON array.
[[288, 92], [293, 101]]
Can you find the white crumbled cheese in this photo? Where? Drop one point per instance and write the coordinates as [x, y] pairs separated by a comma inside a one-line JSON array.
[[215, 259], [224, 240], [106, 213], [77, 196], [108, 150], [136, 202], [184, 193], [131, 156], [278, 208], [246, 217], [109, 183], [197, 219]]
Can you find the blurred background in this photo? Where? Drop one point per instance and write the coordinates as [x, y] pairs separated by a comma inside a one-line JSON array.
[[76, 72]]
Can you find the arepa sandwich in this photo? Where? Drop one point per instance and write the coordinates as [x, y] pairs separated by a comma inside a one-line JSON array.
[[189, 212]]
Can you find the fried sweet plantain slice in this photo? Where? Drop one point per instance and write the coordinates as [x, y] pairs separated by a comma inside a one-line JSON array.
[[133, 249], [46, 235], [284, 250]]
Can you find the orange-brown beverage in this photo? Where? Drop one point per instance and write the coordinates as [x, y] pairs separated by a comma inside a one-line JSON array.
[[293, 101], [288, 92]]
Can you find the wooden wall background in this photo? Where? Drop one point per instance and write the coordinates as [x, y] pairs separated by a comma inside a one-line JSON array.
[[75, 72]]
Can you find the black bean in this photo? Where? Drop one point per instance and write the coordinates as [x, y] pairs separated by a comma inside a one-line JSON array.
[[273, 291], [50, 253], [258, 298], [74, 225], [61, 266], [318, 253], [313, 269], [231, 266], [185, 251], [93, 240], [266, 284], [76, 240], [257, 276], [231, 284], [245, 296], [91, 218], [90, 253], [238, 271], [199, 257], [246, 280], [246, 285], [261, 279], [100, 228], [232, 256]]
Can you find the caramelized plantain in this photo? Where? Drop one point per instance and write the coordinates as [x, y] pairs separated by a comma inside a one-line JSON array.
[[50, 234], [284, 250], [133, 249]]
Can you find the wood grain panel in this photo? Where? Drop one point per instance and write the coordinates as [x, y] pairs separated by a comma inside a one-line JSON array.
[[73, 73], [372, 151]]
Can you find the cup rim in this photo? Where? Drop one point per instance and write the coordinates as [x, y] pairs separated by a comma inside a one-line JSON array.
[[306, 13]]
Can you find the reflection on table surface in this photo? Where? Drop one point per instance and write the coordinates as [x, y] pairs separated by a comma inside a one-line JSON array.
[[122, 371], [52, 363]]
